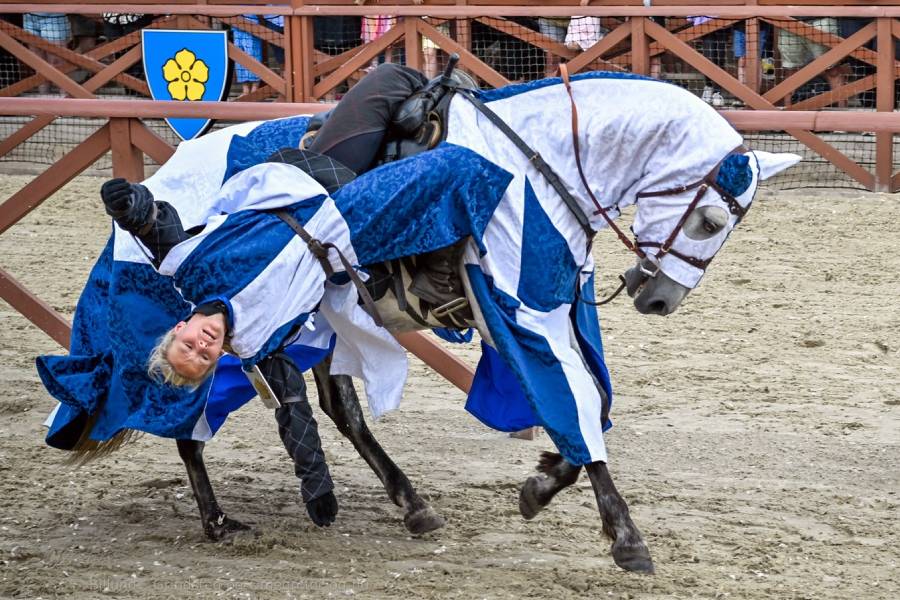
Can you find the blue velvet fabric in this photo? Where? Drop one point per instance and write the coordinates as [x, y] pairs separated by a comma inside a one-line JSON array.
[[123, 309], [255, 147], [454, 336], [235, 254], [421, 203], [496, 397], [529, 357], [548, 269], [735, 175]]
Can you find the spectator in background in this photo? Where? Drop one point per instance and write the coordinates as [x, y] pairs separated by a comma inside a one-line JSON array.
[[554, 28], [116, 25], [798, 51], [740, 49], [85, 32], [430, 51], [334, 36], [276, 24], [373, 28], [252, 45], [584, 32], [711, 48], [52, 27]]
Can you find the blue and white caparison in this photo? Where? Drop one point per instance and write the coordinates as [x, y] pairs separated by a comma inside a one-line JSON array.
[[526, 258]]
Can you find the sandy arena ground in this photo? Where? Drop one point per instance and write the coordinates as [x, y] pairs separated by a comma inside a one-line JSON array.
[[757, 440]]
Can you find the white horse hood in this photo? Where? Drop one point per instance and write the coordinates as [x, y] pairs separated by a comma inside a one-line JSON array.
[[658, 215]]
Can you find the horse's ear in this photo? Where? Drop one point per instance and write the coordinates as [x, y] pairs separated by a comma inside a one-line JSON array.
[[772, 164]]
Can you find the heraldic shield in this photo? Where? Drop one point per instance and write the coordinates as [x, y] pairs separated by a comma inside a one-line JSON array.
[[186, 66]]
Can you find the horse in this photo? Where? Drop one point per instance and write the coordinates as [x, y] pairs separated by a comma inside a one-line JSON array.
[[632, 141]]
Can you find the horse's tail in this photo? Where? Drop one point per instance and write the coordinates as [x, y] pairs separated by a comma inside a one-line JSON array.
[[86, 450]]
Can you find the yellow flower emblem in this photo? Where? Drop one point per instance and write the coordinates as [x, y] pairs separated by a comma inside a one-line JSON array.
[[186, 75]]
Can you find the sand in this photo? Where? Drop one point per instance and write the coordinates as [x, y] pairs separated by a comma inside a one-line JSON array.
[[756, 440]]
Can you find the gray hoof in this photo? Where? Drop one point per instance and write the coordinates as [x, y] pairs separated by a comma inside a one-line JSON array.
[[529, 504], [423, 520], [634, 557]]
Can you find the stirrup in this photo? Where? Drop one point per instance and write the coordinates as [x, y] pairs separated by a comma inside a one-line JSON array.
[[450, 307]]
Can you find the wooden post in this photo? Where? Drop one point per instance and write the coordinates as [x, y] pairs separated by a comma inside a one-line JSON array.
[[304, 59], [433, 354], [127, 159], [288, 59], [640, 47], [751, 54], [413, 43], [884, 102]]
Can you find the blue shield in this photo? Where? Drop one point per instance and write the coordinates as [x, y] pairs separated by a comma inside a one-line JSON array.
[[186, 66]]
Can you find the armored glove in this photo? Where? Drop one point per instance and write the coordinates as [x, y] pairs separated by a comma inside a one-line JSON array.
[[130, 204], [323, 510]]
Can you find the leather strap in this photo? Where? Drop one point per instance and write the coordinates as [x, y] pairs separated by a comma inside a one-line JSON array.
[[691, 260], [564, 73], [320, 251]]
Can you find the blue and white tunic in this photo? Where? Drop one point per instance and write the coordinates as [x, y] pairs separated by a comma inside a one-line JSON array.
[[270, 282]]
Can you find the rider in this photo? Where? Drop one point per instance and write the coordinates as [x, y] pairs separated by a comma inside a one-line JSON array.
[[347, 144], [187, 354]]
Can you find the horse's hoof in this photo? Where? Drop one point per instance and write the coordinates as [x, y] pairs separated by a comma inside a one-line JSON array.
[[634, 557], [529, 503], [423, 520], [223, 528]]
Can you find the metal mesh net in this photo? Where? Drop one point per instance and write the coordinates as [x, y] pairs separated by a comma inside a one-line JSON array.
[[518, 48]]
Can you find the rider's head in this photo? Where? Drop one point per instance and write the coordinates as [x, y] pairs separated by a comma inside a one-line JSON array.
[[186, 355]]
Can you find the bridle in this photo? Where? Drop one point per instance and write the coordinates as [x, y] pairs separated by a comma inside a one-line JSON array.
[[556, 182], [665, 247]]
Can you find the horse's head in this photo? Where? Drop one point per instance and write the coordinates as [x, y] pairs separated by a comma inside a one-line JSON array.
[[681, 230]]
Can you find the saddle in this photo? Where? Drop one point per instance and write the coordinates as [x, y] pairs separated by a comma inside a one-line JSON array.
[[426, 287]]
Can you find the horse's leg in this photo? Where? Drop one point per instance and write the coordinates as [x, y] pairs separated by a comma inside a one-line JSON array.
[[556, 473], [215, 524], [339, 401], [628, 548]]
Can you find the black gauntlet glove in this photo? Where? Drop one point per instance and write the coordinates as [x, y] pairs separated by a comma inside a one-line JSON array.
[[323, 510], [130, 204]]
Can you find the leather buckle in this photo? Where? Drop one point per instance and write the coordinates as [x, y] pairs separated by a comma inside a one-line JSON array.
[[645, 271], [450, 307]]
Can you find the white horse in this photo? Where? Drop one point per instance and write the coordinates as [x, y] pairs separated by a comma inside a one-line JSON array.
[[634, 141], [528, 270]]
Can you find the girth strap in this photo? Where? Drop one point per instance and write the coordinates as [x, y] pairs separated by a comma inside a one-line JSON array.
[[537, 160], [320, 250]]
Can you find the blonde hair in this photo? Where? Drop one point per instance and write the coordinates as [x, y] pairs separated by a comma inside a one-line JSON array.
[[162, 371]]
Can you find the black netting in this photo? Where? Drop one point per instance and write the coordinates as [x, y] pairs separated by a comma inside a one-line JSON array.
[[815, 171], [518, 48]]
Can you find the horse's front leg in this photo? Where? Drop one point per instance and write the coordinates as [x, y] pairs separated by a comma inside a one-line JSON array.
[[628, 548], [215, 524], [340, 402], [556, 474]]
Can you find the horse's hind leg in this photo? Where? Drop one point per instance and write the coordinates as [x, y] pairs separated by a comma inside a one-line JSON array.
[[628, 548], [339, 401], [215, 524], [556, 474]]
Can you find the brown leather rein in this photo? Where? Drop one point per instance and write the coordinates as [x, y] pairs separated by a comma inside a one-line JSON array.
[[663, 248]]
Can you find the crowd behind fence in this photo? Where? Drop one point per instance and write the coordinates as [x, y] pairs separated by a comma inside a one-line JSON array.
[[759, 53]]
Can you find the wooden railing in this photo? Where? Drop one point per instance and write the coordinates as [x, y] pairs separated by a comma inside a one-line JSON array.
[[307, 75]]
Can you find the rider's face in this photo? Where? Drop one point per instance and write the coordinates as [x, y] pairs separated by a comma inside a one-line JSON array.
[[197, 345]]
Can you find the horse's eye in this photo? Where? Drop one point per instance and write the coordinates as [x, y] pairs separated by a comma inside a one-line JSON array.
[[709, 226]]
